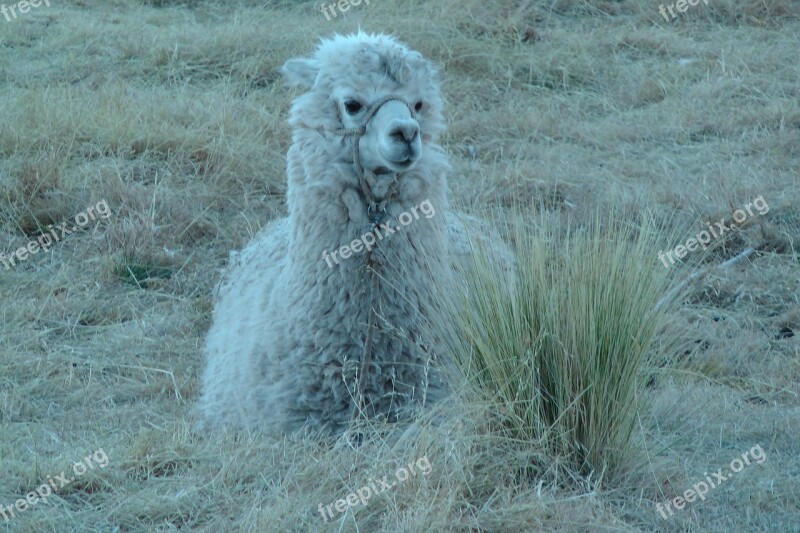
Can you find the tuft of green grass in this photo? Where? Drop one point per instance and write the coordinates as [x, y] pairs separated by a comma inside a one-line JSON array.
[[562, 350], [140, 274]]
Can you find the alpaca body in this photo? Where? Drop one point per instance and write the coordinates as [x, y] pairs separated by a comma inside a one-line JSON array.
[[289, 331]]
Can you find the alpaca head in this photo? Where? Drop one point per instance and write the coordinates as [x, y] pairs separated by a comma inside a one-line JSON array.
[[348, 80]]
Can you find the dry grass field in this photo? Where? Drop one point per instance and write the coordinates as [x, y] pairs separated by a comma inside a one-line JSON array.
[[173, 114]]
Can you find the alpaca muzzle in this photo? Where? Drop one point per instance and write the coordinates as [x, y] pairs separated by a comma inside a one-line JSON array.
[[376, 207]]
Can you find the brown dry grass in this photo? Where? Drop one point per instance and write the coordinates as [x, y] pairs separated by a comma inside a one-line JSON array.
[[173, 113]]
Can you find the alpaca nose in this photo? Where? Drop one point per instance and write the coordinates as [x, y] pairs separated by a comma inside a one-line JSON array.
[[405, 131]]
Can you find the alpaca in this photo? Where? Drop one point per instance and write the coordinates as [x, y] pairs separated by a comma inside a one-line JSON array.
[[301, 341]]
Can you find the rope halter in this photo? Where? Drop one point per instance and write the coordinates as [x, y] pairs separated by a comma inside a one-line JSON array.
[[376, 209]]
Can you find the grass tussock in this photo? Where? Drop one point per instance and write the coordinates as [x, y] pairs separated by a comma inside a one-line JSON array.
[[562, 349]]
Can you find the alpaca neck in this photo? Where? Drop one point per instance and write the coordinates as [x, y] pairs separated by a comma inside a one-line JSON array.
[[329, 212]]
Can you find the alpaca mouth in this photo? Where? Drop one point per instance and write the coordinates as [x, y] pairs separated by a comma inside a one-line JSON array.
[[380, 171], [397, 166]]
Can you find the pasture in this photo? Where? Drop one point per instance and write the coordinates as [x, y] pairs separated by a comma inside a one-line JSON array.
[[156, 130]]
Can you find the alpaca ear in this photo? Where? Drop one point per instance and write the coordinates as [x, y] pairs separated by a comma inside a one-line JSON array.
[[300, 71]]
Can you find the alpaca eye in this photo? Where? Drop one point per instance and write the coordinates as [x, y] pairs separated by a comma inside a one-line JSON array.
[[352, 106], [418, 106]]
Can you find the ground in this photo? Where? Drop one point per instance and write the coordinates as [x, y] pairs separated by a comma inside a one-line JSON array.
[[174, 116]]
